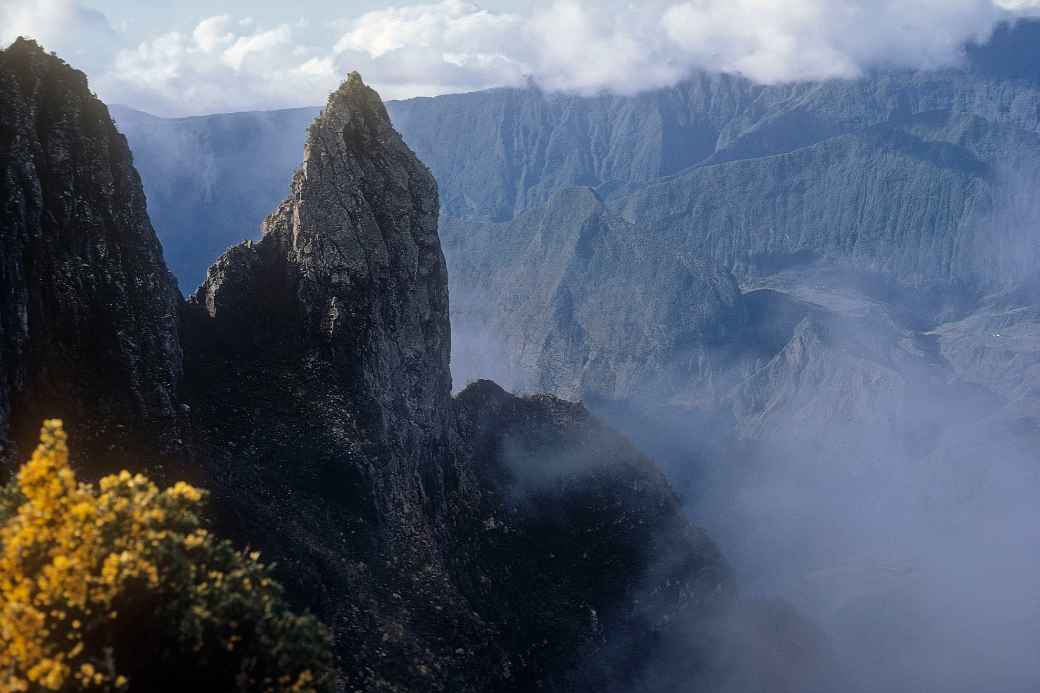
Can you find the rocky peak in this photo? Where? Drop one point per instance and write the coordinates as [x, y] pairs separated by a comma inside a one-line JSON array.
[[318, 370], [88, 310], [488, 543], [319, 379], [350, 265]]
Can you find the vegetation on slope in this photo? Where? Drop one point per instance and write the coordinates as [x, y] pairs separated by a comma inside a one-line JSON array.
[[119, 586]]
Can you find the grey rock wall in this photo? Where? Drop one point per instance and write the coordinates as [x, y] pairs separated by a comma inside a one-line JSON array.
[[88, 310]]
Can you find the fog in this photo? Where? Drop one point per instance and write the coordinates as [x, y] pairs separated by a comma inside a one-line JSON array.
[[211, 181], [891, 507], [864, 478]]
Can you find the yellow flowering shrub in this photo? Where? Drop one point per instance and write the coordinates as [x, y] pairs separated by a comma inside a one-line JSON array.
[[119, 586]]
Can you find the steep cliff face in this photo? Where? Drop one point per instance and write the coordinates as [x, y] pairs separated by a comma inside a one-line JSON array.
[[88, 311], [319, 378], [484, 543], [320, 372], [350, 270], [500, 152], [898, 199], [518, 147], [583, 307]]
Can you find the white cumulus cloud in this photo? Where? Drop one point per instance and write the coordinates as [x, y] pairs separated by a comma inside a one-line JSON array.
[[584, 46], [220, 65], [425, 48], [82, 36], [212, 34]]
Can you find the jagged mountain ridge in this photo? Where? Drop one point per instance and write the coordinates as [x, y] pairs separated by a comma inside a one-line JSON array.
[[88, 312], [520, 146], [488, 542]]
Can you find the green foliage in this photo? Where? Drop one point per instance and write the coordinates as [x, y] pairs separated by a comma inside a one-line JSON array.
[[10, 499], [120, 587]]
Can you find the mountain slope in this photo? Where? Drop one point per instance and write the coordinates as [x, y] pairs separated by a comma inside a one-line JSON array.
[[577, 303], [88, 310], [483, 543]]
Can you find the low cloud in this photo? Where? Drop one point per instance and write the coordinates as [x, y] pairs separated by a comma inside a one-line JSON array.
[[583, 46], [82, 36], [226, 63], [221, 65]]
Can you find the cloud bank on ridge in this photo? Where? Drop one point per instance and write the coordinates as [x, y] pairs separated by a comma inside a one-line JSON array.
[[223, 63]]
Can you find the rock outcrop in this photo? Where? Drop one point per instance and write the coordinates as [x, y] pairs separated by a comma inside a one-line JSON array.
[[349, 275], [321, 389], [484, 543], [88, 310]]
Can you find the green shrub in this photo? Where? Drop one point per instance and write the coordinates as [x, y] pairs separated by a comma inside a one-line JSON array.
[[119, 586]]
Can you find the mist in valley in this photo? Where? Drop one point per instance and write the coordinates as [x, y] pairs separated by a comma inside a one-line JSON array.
[[867, 458], [862, 439], [857, 478], [875, 499], [770, 298]]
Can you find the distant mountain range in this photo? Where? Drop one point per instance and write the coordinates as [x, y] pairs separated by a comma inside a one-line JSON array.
[[211, 180], [831, 288]]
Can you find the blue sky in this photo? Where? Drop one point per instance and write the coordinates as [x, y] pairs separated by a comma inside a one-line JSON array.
[[193, 56]]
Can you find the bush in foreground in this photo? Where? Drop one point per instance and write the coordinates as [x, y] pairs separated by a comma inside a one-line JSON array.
[[120, 587]]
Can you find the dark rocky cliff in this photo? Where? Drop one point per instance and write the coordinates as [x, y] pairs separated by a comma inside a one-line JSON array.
[[88, 310], [484, 543], [319, 371]]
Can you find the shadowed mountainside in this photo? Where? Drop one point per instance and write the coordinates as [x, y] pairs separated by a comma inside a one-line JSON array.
[[88, 310], [484, 542]]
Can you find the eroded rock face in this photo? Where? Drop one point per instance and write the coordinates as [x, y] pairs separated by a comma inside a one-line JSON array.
[[486, 543], [318, 372], [578, 304], [88, 311], [350, 270]]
